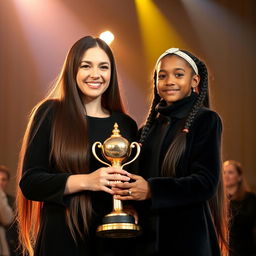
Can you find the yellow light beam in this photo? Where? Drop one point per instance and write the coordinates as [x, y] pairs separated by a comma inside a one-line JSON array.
[[157, 33]]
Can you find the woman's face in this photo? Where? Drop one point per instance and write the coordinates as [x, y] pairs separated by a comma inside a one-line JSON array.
[[94, 73], [231, 176], [175, 79], [3, 180]]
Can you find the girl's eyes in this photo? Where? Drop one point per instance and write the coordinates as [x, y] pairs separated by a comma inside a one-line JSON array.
[[177, 75], [161, 76]]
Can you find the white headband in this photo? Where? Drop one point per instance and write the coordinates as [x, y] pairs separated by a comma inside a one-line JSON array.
[[182, 55]]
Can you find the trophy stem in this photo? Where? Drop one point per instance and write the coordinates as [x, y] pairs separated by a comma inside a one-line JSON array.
[[117, 205]]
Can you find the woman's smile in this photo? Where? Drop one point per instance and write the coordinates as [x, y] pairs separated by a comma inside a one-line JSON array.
[[94, 85]]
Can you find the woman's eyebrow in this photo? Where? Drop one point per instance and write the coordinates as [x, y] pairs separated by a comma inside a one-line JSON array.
[[90, 62]]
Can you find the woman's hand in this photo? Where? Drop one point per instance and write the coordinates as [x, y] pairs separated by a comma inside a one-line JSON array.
[[99, 180], [103, 178], [137, 190]]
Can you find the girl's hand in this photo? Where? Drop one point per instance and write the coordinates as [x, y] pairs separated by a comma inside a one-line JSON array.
[[137, 190]]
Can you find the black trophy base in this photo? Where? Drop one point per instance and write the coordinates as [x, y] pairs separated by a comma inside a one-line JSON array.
[[118, 225]]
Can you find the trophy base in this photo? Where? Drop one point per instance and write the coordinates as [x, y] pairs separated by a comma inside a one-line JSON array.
[[118, 225]]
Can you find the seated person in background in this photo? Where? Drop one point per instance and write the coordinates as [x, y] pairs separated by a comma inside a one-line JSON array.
[[242, 210], [6, 211]]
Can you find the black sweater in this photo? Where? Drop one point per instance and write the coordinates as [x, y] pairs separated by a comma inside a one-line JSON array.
[[42, 182], [177, 220]]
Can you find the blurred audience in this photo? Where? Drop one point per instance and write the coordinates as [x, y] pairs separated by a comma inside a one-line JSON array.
[[242, 210], [8, 231]]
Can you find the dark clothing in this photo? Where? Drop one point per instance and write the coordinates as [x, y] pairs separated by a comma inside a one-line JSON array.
[[41, 181], [177, 219], [243, 226], [12, 232]]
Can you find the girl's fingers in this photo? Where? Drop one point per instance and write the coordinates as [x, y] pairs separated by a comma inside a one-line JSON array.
[[133, 176], [123, 198], [121, 192], [121, 185]]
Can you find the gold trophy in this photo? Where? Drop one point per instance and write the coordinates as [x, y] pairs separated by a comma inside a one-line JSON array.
[[116, 149]]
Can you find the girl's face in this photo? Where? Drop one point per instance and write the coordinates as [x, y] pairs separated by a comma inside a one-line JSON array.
[[94, 73], [231, 176], [175, 79]]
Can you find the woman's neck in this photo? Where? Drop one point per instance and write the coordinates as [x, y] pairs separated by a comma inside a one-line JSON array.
[[231, 190], [94, 108]]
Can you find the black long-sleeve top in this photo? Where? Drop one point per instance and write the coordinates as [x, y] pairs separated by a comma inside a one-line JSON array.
[[41, 181], [178, 220]]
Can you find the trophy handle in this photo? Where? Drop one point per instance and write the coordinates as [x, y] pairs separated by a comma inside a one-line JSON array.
[[95, 155], [133, 144]]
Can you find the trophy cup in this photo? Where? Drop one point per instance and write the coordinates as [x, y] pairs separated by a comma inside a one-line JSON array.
[[117, 149]]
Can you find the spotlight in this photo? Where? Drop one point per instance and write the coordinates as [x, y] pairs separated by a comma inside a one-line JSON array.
[[107, 36]]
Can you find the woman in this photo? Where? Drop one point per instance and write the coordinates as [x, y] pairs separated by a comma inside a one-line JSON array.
[[242, 210], [64, 192], [184, 212]]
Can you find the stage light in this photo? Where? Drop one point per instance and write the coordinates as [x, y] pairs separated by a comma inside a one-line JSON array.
[[107, 36], [158, 34]]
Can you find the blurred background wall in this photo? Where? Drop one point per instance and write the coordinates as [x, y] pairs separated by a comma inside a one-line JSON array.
[[36, 34]]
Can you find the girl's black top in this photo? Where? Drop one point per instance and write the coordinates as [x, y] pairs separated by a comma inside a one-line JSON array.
[[41, 181], [177, 220]]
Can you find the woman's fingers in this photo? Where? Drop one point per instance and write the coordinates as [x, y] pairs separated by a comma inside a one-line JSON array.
[[108, 190], [115, 174], [112, 170], [117, 177]]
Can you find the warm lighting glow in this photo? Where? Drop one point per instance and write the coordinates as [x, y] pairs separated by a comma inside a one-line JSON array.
[[107, 36], [157, 32]]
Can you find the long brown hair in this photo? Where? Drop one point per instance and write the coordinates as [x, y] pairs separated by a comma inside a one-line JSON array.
[[218, 204], [68, 148]]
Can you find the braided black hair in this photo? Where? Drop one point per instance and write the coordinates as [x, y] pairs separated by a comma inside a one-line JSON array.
[[203, 97], [152, 113]]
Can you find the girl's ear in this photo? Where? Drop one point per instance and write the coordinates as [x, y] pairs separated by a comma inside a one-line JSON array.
[[195, 81]]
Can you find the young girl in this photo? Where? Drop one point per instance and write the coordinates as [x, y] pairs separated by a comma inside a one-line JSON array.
[[64, 191], [184, 210]]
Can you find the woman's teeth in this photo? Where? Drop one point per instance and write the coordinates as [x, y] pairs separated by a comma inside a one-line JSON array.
[[94, 85]]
